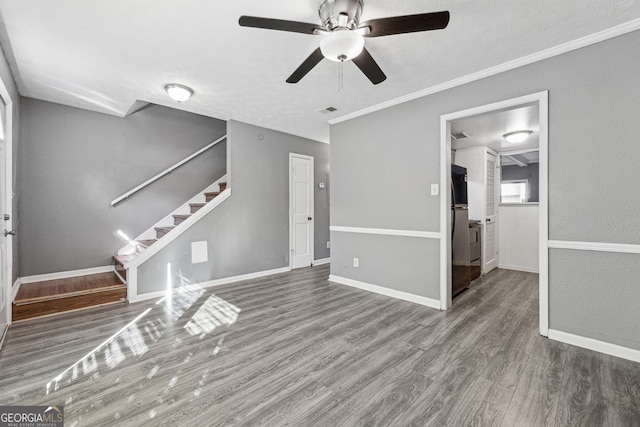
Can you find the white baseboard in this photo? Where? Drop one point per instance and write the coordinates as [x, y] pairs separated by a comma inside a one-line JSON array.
[[405, 296], [322, 261], [213, 283], [66, 274], [595, 345], [516, 268], [15, 289]]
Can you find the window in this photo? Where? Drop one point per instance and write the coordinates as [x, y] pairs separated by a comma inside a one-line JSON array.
[[513, 191]]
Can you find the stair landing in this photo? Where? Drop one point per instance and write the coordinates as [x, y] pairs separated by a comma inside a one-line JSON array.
[[58, 296]]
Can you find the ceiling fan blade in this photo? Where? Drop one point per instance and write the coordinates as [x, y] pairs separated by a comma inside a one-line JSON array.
[[278, 24], [406, 24], [306, 66], [369, 67]]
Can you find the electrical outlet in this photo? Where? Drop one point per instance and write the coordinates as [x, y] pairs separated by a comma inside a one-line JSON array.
[[434, 189], [356, 262], [328, 244]]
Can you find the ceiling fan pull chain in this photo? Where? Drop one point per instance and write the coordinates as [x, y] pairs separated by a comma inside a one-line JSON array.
[[341, 73]]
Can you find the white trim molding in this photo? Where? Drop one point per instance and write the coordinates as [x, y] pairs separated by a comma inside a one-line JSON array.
[[405, 296], [66, 274], [15, 289], [10, 139], [321, 261], [516, 268], [488, 72], [213, 283], [387, 232], [620, 248], [595, 345]]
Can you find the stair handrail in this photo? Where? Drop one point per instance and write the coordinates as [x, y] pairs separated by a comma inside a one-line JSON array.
[[166, 171]]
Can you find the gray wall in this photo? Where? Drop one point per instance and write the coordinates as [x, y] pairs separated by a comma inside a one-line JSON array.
[[9, 82], [593, 152], [73, 162], [249, 232], [531, 172]]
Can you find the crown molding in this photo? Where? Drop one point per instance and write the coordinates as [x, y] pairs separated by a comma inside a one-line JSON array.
[[507, 66]]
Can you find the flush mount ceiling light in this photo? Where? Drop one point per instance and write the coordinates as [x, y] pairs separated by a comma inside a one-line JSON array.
[[178, 93], [342, 45], [517, 136]]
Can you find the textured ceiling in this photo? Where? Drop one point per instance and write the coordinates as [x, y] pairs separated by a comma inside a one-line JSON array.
[[107, 55]]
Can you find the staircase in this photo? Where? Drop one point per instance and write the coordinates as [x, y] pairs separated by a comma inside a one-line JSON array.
[[172, 223], [62, 295]]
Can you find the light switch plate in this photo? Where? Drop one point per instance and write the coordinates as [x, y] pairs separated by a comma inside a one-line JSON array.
[[434, 189]]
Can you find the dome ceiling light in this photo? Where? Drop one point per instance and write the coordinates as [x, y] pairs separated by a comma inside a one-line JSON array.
[[517, 137], [178, 92]]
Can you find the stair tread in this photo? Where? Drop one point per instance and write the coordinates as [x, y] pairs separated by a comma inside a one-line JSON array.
[[148, 242], [182, 216], [168, 228], [197, 204], [212, 193], [124, 259], [64, 288]]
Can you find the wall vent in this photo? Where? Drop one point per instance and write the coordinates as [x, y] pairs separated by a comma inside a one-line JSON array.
[[328, 110], [459, 135]]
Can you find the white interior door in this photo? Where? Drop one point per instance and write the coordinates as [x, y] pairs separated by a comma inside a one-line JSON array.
[[491, 214], [5, 287], [301, 203]]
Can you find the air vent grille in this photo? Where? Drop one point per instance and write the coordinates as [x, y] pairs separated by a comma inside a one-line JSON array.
[[459, 135], [328, 110]]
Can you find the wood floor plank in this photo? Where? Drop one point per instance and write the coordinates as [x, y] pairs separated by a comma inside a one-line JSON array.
[[622, 381], [536, 398], [296, 349], [583, 400]]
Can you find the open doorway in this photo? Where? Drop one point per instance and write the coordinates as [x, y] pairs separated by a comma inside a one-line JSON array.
[[475, 142]]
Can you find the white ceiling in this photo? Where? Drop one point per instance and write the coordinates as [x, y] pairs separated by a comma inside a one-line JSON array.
[[486, 130], [106, 55]]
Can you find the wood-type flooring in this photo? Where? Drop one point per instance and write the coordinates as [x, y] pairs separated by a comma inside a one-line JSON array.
[[295, 349], [57, 296]]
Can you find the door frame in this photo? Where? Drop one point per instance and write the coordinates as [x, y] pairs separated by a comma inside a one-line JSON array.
[[8, 194], [313, 221], [542, 99], [496, 195]]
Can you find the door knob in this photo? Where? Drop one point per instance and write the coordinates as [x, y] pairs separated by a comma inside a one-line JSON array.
[[13, 233], [309, 218]]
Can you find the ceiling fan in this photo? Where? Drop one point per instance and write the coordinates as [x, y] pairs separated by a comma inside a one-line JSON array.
[[343, 34]]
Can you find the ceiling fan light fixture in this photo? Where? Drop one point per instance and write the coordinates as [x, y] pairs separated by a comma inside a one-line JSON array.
[[342, 45], [517, 136], [178, 92]]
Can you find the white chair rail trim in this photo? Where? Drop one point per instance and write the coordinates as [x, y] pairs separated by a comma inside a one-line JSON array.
[[387, 232], [622, 248]]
